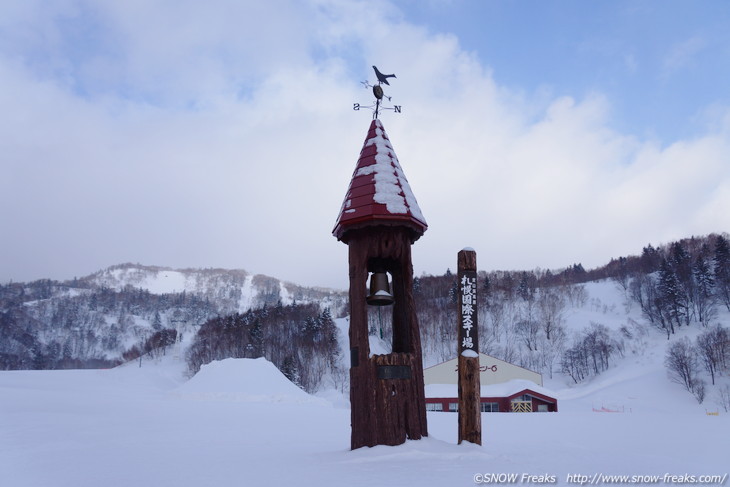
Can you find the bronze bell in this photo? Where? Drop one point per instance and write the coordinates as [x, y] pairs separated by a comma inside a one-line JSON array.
[[380, 294]]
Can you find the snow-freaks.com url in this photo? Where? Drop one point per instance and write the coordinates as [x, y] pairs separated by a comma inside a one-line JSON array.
[[599, 479]]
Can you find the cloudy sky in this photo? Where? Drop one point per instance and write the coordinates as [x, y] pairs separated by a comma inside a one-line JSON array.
[[221, 133]]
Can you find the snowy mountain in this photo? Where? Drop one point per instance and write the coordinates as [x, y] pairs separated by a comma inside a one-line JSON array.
[[230, 290], [97, 320]]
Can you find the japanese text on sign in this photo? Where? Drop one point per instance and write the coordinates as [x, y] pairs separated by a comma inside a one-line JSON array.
[[468, 287]]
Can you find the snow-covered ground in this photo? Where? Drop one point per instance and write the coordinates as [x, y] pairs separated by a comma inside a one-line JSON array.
[[241, 423]]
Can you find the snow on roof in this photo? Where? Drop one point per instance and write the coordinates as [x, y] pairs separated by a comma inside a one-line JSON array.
[[505, 389], [379, 189], [249, 380]]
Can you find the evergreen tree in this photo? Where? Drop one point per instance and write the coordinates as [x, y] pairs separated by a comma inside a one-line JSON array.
[[704, 284], [312, 328], [329, 330], [650, 259], [721, 263], [524, 289], [681, 262], [454, 293], [508, 285], [486, 291], [256, 339], [157, 322], [290, 370], [670, 299]]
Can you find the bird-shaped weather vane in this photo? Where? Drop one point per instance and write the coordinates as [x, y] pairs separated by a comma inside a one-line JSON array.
[[379, 94]]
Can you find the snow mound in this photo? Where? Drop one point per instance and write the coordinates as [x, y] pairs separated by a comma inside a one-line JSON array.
[[244, 380]]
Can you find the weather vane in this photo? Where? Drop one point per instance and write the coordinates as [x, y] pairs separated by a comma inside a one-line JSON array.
[[379, 94]]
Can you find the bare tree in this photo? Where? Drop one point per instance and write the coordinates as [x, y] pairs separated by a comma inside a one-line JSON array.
[[699, 390], [591, 353], [681, 363], [712, 347], [574, 363], [622, 275], [551, 350], [528, 330], [723, 397], [551, 309], [643, 290]]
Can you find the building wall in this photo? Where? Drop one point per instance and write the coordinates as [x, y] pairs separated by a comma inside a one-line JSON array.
[[551, 408], [492, 371], [505, 405]]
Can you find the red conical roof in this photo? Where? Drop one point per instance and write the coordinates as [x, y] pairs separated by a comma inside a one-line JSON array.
[[379, 192]]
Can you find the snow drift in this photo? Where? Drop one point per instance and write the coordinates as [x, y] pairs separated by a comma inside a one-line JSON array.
[[247, 380]]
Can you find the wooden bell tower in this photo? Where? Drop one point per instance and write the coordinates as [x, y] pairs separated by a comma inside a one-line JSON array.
[[379, 221]]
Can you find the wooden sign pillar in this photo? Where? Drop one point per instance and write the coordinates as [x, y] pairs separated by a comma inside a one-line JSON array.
[[470, 419]]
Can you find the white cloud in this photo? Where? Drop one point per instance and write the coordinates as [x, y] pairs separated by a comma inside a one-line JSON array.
[[223, 135]]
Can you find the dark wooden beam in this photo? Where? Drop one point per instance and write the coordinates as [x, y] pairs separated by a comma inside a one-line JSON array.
[[470, 419]]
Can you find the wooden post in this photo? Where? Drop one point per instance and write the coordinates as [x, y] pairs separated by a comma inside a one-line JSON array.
[[470, 419]]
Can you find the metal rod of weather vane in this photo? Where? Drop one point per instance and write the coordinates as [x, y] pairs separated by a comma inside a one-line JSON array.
[[470, 419]]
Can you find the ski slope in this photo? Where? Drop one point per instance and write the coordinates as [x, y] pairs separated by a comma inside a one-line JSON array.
[[241, 423]]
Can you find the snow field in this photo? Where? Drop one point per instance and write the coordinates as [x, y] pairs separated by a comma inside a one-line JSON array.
[[240, 422], [229, 425]]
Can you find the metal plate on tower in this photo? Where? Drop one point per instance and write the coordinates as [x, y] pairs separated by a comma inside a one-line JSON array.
[[394, 372]]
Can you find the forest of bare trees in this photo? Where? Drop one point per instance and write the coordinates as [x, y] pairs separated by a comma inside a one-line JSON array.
[[102, 320], [76, 327], [522, 314], [300, 340], [522, 321], [522, 317]]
